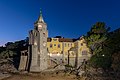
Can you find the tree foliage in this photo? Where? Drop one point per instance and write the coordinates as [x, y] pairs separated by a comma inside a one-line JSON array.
[[105, 46], [96, 36], [13, 48], [116, 61], [100, 61], [95, 40], [113, 45], [7, 54]]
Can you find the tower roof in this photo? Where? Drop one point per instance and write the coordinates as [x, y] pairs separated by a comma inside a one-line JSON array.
[[40, 19]]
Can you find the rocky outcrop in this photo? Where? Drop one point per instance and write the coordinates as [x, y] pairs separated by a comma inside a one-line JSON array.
[[6, 65]]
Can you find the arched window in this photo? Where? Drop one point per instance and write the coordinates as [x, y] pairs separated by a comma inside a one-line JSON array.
[[81, 44], [54, 44], [26, 53], [22, 54]]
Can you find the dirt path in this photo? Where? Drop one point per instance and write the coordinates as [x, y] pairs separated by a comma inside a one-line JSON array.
[[45, 76]]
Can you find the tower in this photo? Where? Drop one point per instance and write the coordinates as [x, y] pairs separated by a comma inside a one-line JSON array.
[[38, 46]]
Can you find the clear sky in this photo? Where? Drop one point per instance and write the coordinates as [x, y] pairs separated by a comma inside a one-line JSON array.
[[68, 18]]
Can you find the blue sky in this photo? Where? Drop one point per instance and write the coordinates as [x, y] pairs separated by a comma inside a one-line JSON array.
[[68, 18]]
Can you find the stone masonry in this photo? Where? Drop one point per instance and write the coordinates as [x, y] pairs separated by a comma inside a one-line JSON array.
[[38, 46]]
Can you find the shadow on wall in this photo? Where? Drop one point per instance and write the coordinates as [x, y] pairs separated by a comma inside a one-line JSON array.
[[16, 60]]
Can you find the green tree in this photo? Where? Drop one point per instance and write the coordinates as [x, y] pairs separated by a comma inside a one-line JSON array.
[[7, 54], [96, 38], [116, 61], [100, 61], [113, 45], [13, 48]]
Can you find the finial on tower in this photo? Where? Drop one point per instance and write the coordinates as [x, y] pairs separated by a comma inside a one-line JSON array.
[[40, 19], [40, 11]]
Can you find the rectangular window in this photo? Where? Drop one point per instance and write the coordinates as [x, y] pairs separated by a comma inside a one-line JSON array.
[[50, 45], [54, 39], [58, 45], [81, 44], [84, 52], [26, 53], [68, 44]]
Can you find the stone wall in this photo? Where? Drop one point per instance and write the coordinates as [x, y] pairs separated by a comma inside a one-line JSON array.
[[23, 60]]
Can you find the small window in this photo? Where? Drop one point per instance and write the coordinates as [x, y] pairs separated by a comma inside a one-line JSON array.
[[22, 54], [68, 44], [26, 53], [84, 52], [50, 45], [58, 45], [71, 44], [81, 44], [44, 34], [54, 44], [54, 39]]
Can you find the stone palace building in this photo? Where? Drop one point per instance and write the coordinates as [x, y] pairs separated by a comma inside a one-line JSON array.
[[46, 53]]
